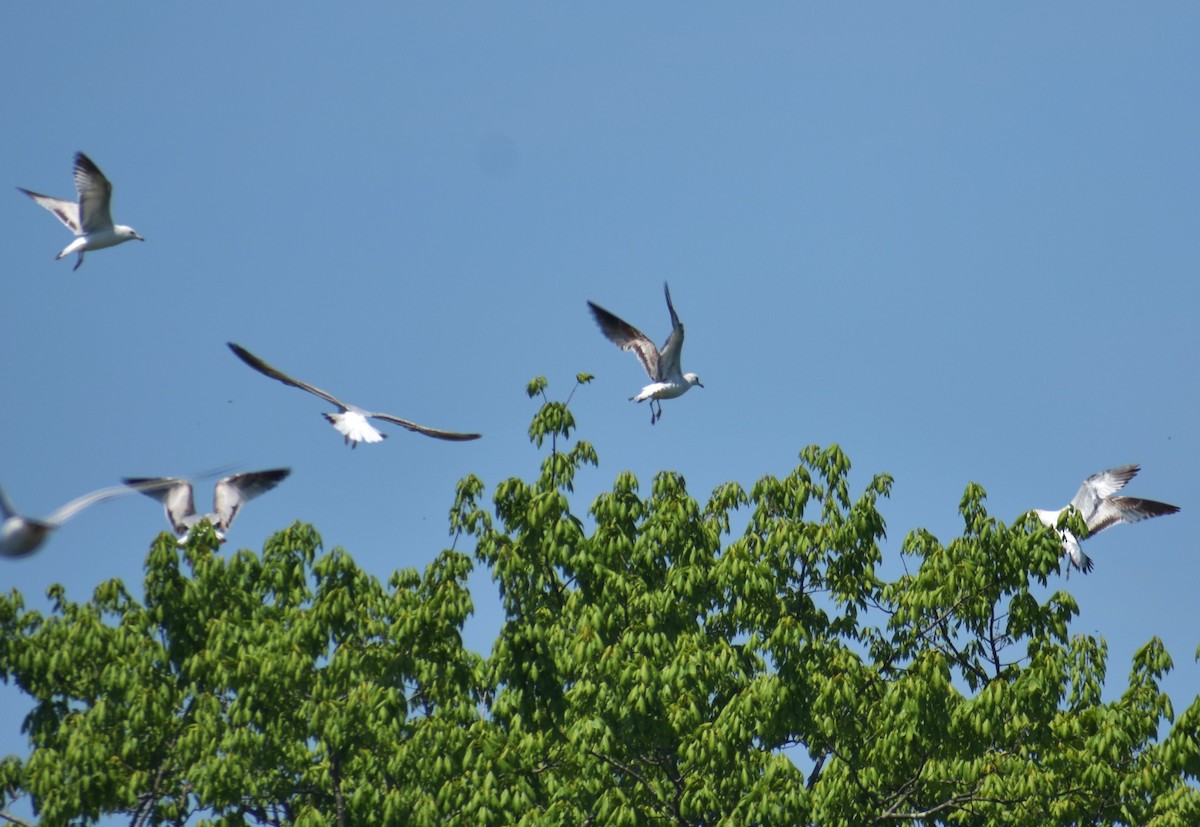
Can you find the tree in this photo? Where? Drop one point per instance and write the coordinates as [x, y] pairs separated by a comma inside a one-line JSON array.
[[655, 669]]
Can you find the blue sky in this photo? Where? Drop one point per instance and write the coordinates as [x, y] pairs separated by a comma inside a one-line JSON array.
[[958, 240]]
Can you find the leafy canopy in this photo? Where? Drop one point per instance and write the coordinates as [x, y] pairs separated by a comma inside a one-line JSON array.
[[655, 668]]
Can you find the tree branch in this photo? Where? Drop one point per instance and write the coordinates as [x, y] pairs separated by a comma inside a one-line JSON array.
[[335, 772], [816, 771], [660, 805]]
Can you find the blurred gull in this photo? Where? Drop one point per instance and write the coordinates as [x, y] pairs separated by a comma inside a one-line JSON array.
[[20, 536], [90, 218], [1100, 509], [662, 365], [351, 420], [230, 494]]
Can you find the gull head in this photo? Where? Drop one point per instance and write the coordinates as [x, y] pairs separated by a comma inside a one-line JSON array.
[[692, 379], [126, 233]]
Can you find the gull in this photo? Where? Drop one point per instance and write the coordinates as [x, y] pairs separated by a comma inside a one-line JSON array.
[[351, 420], [1100, 509], [666, 381], [230, 494], [20, 535], [90, 218]]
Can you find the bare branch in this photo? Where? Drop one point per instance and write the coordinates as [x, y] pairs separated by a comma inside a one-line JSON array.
[[816, 772], [657, 802]]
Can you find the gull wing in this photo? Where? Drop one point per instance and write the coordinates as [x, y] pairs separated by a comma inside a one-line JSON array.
[[6, 507], [275, 373], [421, 429], [1127, 510], [174, 494], [1099, 487], [95, 193], [627, 337], [668, 360], [75, 506], [65, 211], [233, 492]]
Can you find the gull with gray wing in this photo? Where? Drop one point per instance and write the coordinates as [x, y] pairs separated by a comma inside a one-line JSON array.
[[229, 495], [21, 535], [1100, 509], [90, 219], [667, 381], [350, 421]]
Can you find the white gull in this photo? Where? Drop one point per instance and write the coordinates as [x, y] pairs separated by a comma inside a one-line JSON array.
[[229, 495], [1100, 509], [20, 535], [666, 380], [90, 219], [351, 420]]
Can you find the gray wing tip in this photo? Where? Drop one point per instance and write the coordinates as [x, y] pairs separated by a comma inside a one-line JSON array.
[[675, 323], [1153, 508], [274, 475], [597, 310], [243, 354], [85, 163], [142, 483], [450, 436], [246, 356], [153, 487], [1142, 507], [1122, 474], [610, 323]]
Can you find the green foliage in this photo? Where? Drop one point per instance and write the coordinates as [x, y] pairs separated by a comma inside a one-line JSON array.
[[652, 667], [280, 689]]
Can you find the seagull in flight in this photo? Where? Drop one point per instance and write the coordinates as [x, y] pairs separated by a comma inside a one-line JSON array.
[[666, 380], [20, 535], [1100, 509], [350, 421], [90, 219], [230, 494]]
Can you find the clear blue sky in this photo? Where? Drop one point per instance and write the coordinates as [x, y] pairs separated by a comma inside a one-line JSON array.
[[961, 241]]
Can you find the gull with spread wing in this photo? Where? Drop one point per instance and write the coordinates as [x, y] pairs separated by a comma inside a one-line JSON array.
[[20, 535], [666, 379], [1100, 509], [89, 219], [230, 494], [351, 420]]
